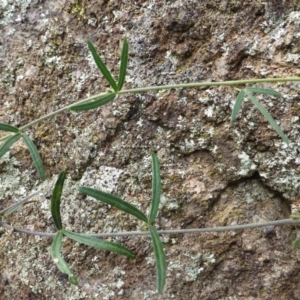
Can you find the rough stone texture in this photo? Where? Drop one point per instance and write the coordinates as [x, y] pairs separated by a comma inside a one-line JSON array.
[[214, 172]]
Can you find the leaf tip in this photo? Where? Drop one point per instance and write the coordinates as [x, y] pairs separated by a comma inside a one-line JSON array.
[[296, 242], [73, 279]]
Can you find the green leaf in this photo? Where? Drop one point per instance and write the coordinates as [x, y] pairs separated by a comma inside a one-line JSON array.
[[102, 67], [35, 156], [7, 127], [12, 208], [99, 243], [238, 104], [113, 201], [123, 66], [265, 113], [8, 143], [55, 200], [264, 91], [101, 100], [296, 242], [156, 188], [160, 259], [59, 261]]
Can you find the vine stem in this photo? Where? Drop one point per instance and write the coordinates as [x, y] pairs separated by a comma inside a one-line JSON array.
[[209, 83], [45, 117], [171, 231], [161, 87]]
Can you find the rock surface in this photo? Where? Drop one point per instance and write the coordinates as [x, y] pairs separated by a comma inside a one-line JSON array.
[[214, 172]]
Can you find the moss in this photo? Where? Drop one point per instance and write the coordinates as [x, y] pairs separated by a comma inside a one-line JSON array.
[[78, 9]]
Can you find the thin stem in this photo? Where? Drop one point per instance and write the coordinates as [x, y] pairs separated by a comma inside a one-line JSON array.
[[209, 83], [52, 114], [59, 111], [156, 88], [172, 231], [13, 207]]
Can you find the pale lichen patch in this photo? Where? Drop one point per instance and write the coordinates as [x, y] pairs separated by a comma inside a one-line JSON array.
[[189, 269], [13, 182], [247, 166]]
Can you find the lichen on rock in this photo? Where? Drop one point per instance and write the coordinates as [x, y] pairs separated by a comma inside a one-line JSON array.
[[213, 172]]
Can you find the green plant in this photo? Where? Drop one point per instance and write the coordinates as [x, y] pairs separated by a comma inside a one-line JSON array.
[[101, 99]]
